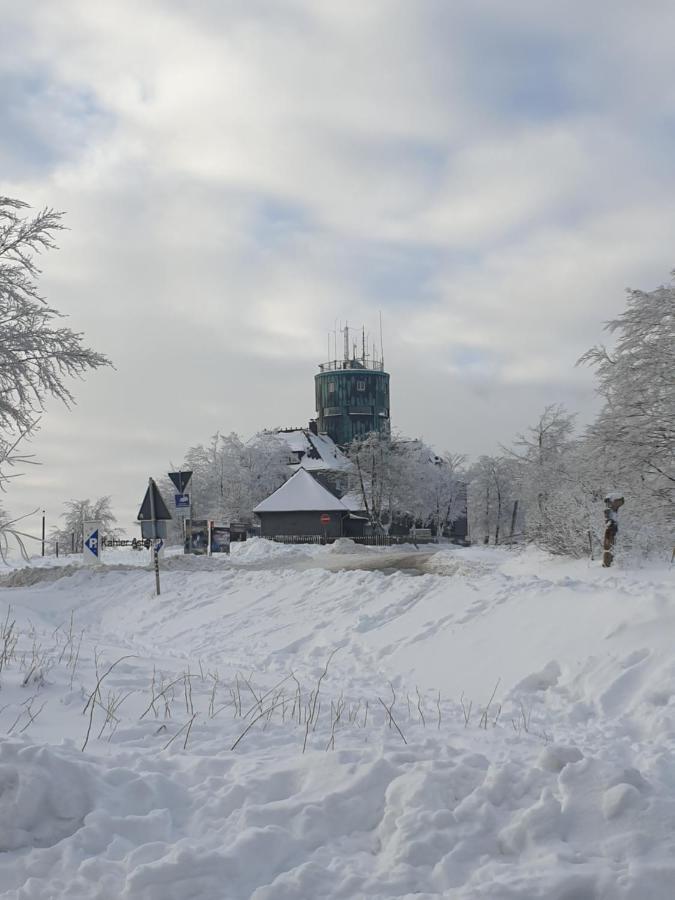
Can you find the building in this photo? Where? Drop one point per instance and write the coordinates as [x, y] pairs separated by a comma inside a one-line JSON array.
[[302, 506], [318, 454], [352, 395], [352, 400]]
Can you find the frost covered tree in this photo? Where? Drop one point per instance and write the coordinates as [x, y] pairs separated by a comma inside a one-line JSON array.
[[431, 488], [375, 475], [447, 490], [494, 488], [636, 380], [542, 455], [633, 438], [231, 476], [79, 511], [37, 355], [405, 481]]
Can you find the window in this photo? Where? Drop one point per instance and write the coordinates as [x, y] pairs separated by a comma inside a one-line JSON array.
[[331, 387], [360, 385]]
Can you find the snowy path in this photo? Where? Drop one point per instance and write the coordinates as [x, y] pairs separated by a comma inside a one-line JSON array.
[[562, 788]]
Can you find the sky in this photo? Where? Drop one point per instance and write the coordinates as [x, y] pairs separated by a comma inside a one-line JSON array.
[[237, 175]]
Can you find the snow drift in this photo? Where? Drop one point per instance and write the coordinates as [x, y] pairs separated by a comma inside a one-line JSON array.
[[499, 726]]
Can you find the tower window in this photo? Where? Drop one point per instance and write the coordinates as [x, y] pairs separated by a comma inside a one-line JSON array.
[[360, 385], [331, 387]]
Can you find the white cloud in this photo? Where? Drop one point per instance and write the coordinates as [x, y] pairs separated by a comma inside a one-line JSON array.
[[237, 175]]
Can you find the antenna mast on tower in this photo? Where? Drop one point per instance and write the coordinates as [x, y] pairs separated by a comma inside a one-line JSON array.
[[381, 344]]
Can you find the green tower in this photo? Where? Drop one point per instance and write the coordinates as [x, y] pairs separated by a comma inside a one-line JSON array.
[[352, 395]]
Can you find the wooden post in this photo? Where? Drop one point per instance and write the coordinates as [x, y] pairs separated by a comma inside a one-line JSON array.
[[613, 502], [43, 532]]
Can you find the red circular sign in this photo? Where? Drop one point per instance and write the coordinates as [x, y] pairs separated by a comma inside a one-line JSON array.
[[325, 519]]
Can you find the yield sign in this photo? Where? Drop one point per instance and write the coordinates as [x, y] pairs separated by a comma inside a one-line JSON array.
[[180, 479]]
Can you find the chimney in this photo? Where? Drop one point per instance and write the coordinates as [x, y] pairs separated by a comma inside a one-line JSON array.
[[313, 426]]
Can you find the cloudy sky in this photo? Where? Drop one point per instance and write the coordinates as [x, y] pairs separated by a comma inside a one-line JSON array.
[[238, 174]]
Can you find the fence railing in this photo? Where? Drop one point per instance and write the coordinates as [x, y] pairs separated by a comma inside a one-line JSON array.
[[371, 540], [301, 539]]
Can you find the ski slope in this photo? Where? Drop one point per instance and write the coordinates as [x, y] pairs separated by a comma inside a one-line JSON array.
[[487, 724]]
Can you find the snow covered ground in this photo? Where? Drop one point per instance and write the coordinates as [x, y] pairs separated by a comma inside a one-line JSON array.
[[489, 725]]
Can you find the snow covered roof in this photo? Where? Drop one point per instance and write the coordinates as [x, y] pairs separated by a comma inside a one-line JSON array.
[[301, 493], [353, 501], [296, 440], [319, 451], [328, 451]]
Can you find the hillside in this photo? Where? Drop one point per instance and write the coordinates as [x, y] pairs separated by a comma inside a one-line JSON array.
[[489, 725]]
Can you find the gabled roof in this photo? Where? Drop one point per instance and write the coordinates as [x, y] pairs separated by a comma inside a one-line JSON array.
[[319, 451], [301, 493]]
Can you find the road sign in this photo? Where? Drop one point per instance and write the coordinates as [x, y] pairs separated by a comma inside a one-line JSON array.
[[180, 480], [91, 547], [182, 501], [153, 530], [153, 506], [325, 519]]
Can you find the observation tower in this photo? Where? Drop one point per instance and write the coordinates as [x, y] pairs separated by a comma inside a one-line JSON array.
[[352, 393]]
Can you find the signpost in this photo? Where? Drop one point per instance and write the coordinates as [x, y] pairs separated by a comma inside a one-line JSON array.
[[182, 499], [153, 516], [91, 544]]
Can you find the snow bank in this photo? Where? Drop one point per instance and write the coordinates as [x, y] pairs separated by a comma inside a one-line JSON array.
[[502, 726]]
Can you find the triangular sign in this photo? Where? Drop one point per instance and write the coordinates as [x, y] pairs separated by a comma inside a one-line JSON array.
[[180, 479], [160, 509]]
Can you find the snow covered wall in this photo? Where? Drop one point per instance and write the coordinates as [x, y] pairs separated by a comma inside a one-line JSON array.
[[338, 723]]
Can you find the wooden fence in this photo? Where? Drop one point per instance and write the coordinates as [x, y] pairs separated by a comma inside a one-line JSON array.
[[373, 540]]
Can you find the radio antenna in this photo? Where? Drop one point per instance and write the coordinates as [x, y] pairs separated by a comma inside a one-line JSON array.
[[381, 344]]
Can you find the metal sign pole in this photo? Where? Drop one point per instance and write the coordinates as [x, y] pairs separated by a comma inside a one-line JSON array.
[[155, 549], [155, 553]]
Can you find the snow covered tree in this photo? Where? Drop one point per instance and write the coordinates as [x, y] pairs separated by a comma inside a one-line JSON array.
[[405, 481], [541, 454], [637, 382], [633, 438], [76, 513], [36, 357], [447, 490], [232, 476], [379, 476], [493, 491], [430, 488]]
